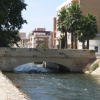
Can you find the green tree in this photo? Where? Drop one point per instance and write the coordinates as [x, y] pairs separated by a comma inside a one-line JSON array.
[[75, 13], [61, 42], [61, 24], [62, 39], [42, 45], [79, 33], [81, 27], [11, 21], [91, 29], [87, 29]]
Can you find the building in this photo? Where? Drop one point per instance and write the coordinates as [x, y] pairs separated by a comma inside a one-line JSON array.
[[40, 37], [22, 35], [88, 6], [54, 32], [24, 41]]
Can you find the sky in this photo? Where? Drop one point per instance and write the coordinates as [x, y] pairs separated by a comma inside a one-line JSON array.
[[39, 14]]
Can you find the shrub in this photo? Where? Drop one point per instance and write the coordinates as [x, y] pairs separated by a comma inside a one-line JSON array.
[[94, 67]]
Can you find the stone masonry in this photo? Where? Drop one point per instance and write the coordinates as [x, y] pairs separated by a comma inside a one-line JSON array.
[[75, 60]]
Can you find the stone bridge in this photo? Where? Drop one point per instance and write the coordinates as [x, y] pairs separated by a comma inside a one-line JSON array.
[[74, 60]]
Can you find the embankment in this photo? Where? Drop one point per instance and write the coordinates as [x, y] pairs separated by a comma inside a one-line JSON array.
[[8, 91], [94, 68]]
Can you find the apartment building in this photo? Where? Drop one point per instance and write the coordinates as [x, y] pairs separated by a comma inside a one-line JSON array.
[[54, 31], [40, 36], [88, 6], [22, 35]]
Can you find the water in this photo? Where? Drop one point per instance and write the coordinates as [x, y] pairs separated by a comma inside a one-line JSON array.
[[58, 86]]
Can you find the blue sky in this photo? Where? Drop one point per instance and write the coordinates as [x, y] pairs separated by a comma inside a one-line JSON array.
[[40, 14]]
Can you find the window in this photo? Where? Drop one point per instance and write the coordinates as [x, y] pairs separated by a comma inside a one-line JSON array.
[[96, 48]]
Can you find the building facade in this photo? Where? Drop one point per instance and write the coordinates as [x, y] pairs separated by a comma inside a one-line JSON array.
[[54, 32], [40, 38], [87, 6], [24, 41]]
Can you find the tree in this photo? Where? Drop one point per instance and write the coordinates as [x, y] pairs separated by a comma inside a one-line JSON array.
[[61, 24], [62, 39], [11, 21], [61, 42], [75, 13], [91, 28], [87, 29], [81, 27], [80, 31], [42, 45]]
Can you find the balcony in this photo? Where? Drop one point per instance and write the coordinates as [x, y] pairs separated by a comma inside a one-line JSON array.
[[63, 8], [75, 1]]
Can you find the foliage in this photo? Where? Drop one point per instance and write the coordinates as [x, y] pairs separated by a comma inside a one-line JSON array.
[[42, 45], [94, 67], [68, 20], [87, 28], [81, 27], [61, 42], [75, 14], [11, 21], [61, 23]]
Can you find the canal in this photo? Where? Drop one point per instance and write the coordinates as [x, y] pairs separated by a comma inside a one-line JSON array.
[[59, 86]]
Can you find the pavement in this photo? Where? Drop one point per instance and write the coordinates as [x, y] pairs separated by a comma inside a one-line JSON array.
[[8, 91], [3, 95]]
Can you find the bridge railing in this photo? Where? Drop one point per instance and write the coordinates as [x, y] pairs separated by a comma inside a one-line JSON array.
[[33, 52]]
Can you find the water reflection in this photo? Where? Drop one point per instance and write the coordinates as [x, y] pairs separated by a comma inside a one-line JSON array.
[[58, 86]]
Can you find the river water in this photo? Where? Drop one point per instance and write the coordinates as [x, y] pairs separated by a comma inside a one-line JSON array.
[[43, 86]]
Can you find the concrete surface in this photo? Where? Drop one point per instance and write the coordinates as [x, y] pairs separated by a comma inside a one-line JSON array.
[[8, 91]]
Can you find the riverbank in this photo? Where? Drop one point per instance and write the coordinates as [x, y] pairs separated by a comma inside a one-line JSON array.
[[94, 68], [8, 91], [97, 70]]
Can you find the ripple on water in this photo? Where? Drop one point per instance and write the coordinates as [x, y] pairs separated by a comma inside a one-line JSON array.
[[59, 86]]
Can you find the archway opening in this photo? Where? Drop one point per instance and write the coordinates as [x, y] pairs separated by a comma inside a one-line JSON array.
[[60, 68], [41, 67]]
